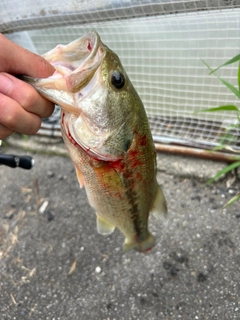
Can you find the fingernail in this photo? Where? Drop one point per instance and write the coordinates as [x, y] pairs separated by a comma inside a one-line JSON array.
[[5, 84]]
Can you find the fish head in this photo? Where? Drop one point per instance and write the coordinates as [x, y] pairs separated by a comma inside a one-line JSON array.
[[99, 103]]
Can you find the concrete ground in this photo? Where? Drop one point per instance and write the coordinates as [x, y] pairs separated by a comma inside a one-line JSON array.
[[54, 265]]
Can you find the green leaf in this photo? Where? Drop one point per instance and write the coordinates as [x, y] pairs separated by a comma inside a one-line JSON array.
[[239, 76], [206, 65], [228, 85], [232, 200], [221, 108], [220, 147], [224, 171], [234, 59]]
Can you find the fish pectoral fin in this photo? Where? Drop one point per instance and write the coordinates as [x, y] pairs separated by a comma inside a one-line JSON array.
[[142, 246], [80, 177], [159, 208], [103, 226]]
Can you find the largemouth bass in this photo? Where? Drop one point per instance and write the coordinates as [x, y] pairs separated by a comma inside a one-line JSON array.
[[106, 132]]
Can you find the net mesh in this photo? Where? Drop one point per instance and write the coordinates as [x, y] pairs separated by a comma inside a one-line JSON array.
[[161, 44]]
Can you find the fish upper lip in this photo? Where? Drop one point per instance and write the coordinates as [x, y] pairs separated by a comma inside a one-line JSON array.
[[94, 46], [97, 42], [80, 74]]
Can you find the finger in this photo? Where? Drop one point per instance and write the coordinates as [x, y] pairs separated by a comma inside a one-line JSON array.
[[17, 60], [25, 95], [5, 132], [15, 118]]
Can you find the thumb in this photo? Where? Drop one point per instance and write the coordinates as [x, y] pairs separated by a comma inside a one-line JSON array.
[[17, 60]]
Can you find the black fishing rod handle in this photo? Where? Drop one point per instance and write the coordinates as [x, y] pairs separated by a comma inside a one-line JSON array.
[[13, 161]]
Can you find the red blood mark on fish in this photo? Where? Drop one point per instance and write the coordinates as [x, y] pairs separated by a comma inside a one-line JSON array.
[[147, 250], [89, 46], [72, 140], [138, 176], [77, 145], [143, 141], [139, 240], [134, 161], [63, 115], [117, 165], [132, 153]]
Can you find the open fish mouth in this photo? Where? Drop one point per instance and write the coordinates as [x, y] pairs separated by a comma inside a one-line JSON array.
[[76, 62], [82, 49], [75, 65]]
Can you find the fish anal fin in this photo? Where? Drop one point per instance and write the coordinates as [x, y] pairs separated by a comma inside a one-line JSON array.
[[159, 208], [80, 177], [103, 226], [143, 246]]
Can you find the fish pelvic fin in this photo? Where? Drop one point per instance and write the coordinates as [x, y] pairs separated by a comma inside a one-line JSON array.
[[143, 246], [159, 208], [79, 177], [103, 227]]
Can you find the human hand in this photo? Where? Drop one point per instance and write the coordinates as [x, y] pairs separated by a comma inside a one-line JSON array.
[[21, 106]]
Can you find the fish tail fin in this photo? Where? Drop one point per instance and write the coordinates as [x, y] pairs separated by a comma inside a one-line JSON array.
[[159, 208], [143, 246]]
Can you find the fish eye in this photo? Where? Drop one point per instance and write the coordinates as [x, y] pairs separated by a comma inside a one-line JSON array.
[[117, 80]]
